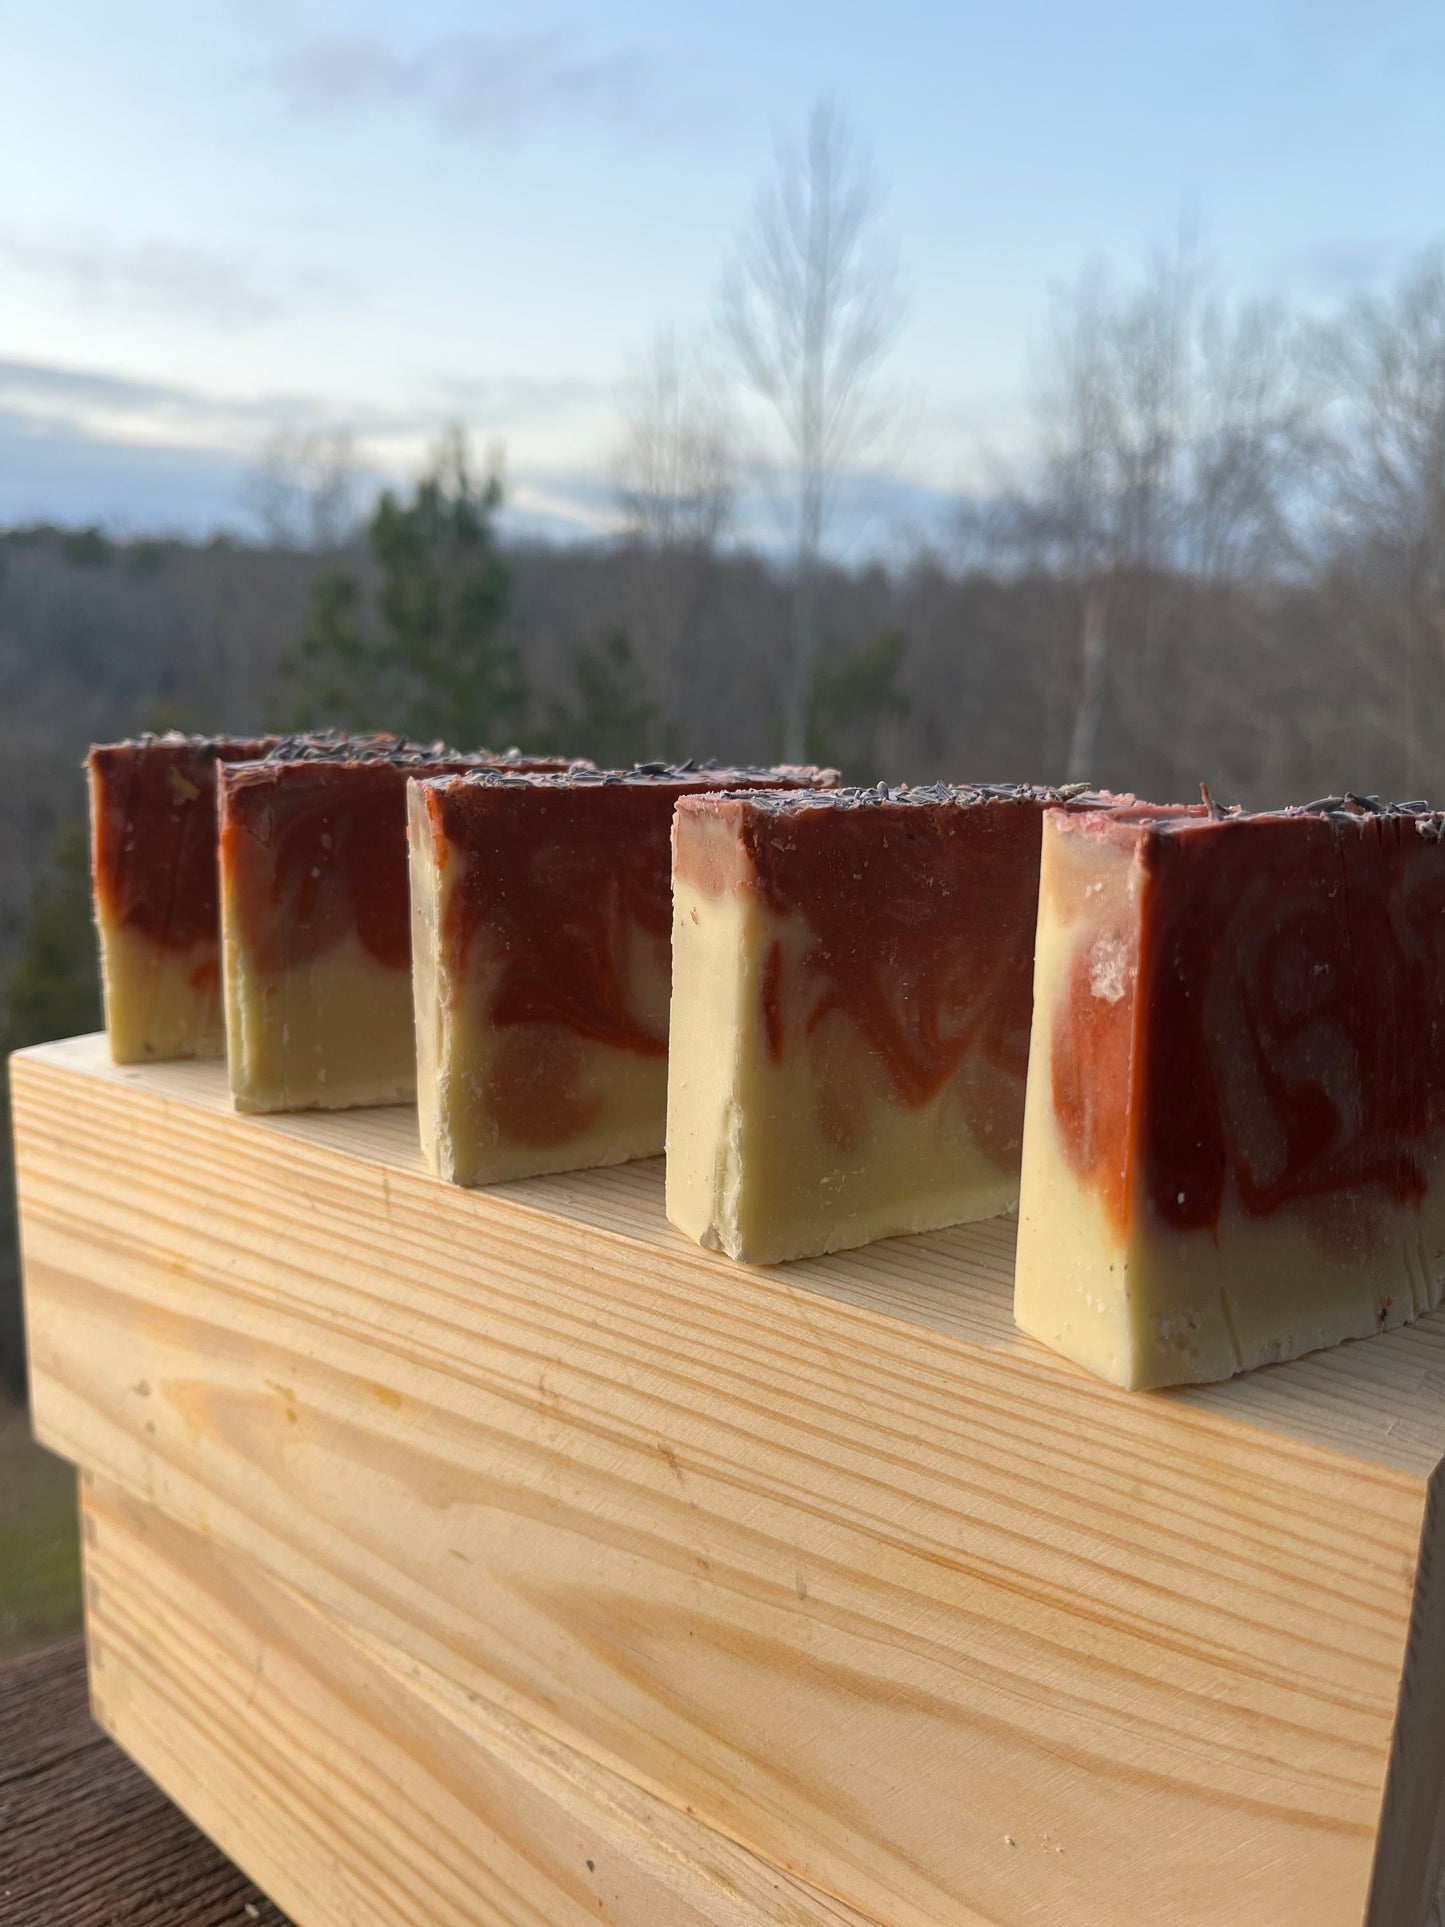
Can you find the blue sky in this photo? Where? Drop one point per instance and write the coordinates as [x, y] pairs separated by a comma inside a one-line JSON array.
[[221, 219]]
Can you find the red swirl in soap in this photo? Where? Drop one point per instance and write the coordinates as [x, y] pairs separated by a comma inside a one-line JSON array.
[[154, 834], [1295, 995], [920, 938], [1290, 1029], [564, 888], [314, 851]]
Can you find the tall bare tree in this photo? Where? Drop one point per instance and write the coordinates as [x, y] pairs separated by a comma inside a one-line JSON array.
[[1173, 434], [1110, 410], [305, 489], [1387, 360], [810, 308], [675, 475], [675, 469]]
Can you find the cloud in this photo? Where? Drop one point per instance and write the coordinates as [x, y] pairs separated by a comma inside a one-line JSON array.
[[87, 445], [26, 381], [125, 406], [154, 276], [56, 471], [53, 468], [90, 396], [488, 87], [501, 402], [81, 445]]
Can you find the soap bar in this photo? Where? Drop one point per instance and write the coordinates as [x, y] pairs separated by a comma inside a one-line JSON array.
[[852, 982], [153, 871], [1233, 1148], [316, 922], [542, 919]]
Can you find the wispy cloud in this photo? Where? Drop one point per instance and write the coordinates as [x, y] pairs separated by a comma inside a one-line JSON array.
[[53, 469], [38, 381], [489, 87], [507, 399], [123, 404], [80, 446], [153, 276], [99, 397], [85, 444]]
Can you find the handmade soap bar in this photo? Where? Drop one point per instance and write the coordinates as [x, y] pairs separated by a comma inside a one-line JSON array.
[[316, 923], [542, 919], [852, 977], [153, 867], [1234, 1146]]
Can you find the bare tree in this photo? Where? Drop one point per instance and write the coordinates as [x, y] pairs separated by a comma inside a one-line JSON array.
[[675, 476], [675, 469], [1111, 418], [305, 489], [1255, 444], [1173, 433], [810, 309], [1387, 360]]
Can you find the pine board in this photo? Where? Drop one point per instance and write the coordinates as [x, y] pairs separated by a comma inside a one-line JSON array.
[[828, 1557], [360, 1790]]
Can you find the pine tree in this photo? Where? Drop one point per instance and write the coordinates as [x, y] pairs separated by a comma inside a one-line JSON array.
[[854, 696], [613, 715], [421, 643], [333, 674]]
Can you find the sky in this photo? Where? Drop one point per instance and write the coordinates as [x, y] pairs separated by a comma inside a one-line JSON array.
[[221, 221]]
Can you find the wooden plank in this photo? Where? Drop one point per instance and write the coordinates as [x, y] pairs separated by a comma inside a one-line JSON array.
[[827, 1556], [360, 1790]]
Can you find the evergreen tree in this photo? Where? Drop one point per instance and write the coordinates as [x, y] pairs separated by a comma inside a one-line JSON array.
[[613, 715], [420, 643], [334, 675], [854, 696]]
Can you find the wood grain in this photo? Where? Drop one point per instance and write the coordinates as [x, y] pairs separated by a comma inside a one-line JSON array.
[[359, 1789], [826, 1555]]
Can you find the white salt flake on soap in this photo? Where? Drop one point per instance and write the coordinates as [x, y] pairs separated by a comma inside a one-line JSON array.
[[1108, 968]]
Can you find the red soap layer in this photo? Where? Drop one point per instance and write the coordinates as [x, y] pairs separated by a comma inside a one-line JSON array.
[[1287, 1040], [154, 833], [567, 877], [313, 845], [921, 908]]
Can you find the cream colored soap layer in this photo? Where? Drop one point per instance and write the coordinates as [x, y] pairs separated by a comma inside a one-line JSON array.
[[1070, 1279], [160, 1003], [622, 1096], [495, 1104], [1164, 1307], [425, 885], [331, 1034], [770, 1161], [1147, 1305], [715, 965]]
